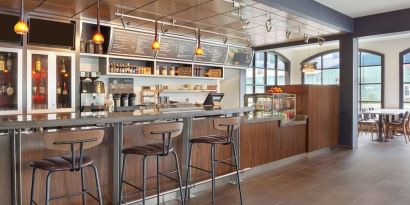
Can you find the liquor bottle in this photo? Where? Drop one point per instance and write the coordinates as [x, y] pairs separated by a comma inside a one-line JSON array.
[[65, 89], [38, 64], [3, 88], [63, 70], [2, 64], [9, 63], [10, 90], [34, 87], [112, 67], [59, 88], [42, 88]]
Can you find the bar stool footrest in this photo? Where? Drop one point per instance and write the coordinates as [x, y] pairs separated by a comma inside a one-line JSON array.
[[204, 170], [75, 194]]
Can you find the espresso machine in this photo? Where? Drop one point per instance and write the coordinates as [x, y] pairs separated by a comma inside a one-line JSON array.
[[92, 92]]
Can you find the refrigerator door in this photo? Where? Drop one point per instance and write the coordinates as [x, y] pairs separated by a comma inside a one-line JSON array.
[[10, 81]]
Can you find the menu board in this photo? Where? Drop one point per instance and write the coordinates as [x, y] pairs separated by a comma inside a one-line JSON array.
[[132, 43], [177, 48], [238, 56], [215, 54]]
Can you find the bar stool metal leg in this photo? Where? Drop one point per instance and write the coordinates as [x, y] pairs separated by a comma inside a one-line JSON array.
[[179, 176], [82, 185], [48, 187], [237, 171], [32, 187], [188, 174], [97, 182], [144, 173], [122, 177], [213, 172], [158, 180]]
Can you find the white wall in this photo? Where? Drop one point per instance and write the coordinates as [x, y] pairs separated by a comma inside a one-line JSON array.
[[390, 46], [230, 85]]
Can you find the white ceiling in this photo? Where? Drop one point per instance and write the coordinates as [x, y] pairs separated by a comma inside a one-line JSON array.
[[358, 8]]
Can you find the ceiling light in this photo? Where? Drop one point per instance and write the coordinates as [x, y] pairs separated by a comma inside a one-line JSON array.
[[308, 67], [225, 39], [288, 33], [98, 38], [199, 51], [306, 37], [269, 24], [155, 44], [164, 30], [21, 26], [321, 41], [245, 23], [248, 43]]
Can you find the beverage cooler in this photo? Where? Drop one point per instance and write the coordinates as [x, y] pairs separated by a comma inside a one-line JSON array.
[[277, 104], [10, 81], [51, 86]]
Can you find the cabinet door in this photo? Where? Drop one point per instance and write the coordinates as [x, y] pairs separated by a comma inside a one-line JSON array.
[[65, 92], [38, 82], [10, 81]]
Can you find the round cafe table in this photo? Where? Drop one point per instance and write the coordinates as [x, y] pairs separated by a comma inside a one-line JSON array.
[[382, 113]]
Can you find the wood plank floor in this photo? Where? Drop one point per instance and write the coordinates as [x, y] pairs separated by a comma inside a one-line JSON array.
[[376, 173]]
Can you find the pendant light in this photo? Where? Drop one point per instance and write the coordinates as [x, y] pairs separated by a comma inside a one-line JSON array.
[[199, 51], [98, 38], [21, 26], [155, 44], [308, 67]]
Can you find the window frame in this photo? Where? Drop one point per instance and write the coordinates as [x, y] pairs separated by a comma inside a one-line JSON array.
[[359, 83], [321, 54], [401, 74], [278, 57]]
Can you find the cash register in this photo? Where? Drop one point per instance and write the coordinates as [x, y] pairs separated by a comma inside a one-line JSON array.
[[213, 101]]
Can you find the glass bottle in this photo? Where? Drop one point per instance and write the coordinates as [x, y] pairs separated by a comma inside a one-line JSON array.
[[65, 89], [34, 87], [3, 88], [10, 90], [38, 64], [2, 64], [58, 88], [63, 70], [9, 62], [42, 88]]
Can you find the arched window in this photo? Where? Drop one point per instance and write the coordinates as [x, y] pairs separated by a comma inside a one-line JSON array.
[[269, 68], [370, 75], [405, 79], [328, 69]]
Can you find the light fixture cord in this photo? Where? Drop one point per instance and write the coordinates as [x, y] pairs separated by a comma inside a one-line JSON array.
[[22, 10], [98, 16]]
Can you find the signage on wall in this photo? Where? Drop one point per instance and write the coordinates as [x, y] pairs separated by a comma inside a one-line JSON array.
[[238, 56], [132, 43], [177, 48], [214, 54]]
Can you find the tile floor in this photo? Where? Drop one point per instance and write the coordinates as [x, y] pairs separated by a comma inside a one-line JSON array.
[[375, 173]]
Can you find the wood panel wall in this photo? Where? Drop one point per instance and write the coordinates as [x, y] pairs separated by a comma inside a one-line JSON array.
[[321, 104], [5, 170]]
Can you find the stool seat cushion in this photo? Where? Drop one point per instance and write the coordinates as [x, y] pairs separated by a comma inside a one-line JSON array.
[[60, 163], [212, 139], [151, 149]]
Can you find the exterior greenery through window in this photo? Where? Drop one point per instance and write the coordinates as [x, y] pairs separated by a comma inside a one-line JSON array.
[[268, 68], [370, 73], [405, 78]]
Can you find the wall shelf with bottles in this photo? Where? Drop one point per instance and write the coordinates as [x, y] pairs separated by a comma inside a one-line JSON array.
[[10, 81], [129, 66], [207, 71]]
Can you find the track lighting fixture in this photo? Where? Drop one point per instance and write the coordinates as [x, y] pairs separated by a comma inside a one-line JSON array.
[[245, 23], [225, 39], [21, 26], [306, 37], [164, 30], [268, 24], [248, 43], [320, 41], [288, 33], [98, 38]]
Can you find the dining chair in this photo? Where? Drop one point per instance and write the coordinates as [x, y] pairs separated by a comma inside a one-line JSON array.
[[399, 127]]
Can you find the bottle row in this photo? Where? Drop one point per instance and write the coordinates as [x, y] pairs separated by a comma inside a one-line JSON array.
[[6, 65], [129, 69]]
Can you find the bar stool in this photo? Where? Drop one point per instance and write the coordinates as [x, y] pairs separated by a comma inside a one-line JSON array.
[[163, 132], [75, 142], [225, 124]]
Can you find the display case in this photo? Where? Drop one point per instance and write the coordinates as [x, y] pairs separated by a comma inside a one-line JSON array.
[[50, 82], [10, 81], [277, 104]]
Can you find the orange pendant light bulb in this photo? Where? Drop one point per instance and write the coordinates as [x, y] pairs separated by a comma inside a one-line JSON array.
[[21, 27], [98, 38], [199, 51], [155, 44]]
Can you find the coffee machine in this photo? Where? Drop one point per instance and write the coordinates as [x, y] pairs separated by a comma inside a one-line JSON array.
[[92, 92]]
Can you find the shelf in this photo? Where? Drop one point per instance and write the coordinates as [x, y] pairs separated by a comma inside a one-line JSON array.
[[93, 55], [159, 76], [187, 91]]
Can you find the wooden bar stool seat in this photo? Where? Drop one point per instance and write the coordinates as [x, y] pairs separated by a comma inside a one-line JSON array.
[[61, 163], [74, 142], [227, 124], [152, 149], [163, 132]]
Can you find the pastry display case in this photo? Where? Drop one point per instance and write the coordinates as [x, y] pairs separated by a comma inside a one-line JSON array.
[[276, 104], [10, 81]]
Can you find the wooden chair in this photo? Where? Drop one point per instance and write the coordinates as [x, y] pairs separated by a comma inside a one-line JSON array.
[[399, 127], [164, 133], [228, 125], [74, 142], [368, 125]]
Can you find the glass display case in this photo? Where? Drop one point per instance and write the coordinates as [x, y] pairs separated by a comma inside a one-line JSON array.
[[10, 81], [277, 104], [50, 82]]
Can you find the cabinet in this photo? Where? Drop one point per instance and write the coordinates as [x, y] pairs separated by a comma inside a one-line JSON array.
[[277, 104], [50, 82], [10, 81]]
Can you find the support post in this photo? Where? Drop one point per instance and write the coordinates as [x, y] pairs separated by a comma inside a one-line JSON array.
[[117, 161]]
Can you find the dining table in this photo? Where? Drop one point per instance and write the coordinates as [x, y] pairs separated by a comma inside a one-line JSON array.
[[382, 113]]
